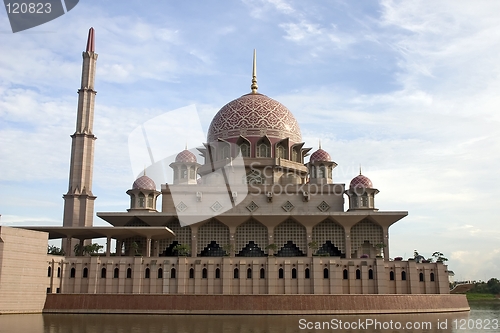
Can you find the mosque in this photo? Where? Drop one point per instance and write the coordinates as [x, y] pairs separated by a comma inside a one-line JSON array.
[[255, 215]]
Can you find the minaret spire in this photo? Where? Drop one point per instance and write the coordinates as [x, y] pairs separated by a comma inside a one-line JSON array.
[[79, 200], [91, 41], [319, 144], [254, 85]]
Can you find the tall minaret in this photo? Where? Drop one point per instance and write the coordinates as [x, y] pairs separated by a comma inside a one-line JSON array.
[[79, 201]]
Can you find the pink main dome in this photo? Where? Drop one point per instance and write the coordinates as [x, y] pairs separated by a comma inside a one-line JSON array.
[[144, 183], [320, 156], [185, 156], [361, 181], [254, 115]]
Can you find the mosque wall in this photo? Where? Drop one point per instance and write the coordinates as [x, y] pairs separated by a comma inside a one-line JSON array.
[[255, 276], [23, 266]]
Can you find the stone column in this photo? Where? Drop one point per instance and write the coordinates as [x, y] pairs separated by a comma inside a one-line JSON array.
[[108, 246], [156, 248], [347, 231], [309, 240], [386, 243], [194, 241]]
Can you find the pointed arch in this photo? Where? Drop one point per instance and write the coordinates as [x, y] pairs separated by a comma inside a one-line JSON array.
[[297, 153], [244, 147], [212, 232], [329, 231], [251, 231], [263, 148], [290, 234], [182, 236], [366, 231], [281, 149]]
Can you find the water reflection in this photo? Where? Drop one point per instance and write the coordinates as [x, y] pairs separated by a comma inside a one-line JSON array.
[[54, 323]]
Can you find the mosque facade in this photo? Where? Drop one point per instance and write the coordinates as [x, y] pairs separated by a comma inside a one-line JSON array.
[[282, 226]]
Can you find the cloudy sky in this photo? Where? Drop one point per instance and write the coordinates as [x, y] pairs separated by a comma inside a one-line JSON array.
[[409, 90]]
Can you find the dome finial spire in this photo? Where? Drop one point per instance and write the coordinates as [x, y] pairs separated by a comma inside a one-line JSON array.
[[319, 146], [360, 169], [254, 86]]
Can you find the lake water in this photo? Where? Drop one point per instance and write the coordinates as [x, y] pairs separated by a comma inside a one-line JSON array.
[[483, 317]]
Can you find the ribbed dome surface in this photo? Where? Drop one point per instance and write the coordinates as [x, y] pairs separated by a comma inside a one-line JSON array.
[[144, 183], [185, 156], [320, 156], [254, 115], [361, 181]]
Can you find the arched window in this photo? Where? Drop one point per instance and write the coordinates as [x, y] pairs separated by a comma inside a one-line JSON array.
[[280, 152], [85, 273], [280, 273], [129, 273], [160, 273], [58, 272], [432, 277], [49, 271], [150, 200], [326, 274], [370, 274], [391, 275], [72, 273], [403, 275], [249, 273], [321, 171], [295, 157], [236, 273], [141, 200], [358, 274], [345, 274], [225, 152], [262, 273], [245, 150], [192, 173], [103, 273], [263, 150], [116, 273], [204, 273], [191, 273], [147, 273], [172, 273], [421, 277], [294, 273], [217, 273], [184, 172], [307, 274], [364, 200]]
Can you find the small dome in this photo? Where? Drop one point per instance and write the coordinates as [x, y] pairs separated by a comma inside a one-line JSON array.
[[144, 183], [361, 181], [320, 156], [185, 156]]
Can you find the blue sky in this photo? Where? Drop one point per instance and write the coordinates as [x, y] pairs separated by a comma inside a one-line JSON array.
[[409, 90]]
